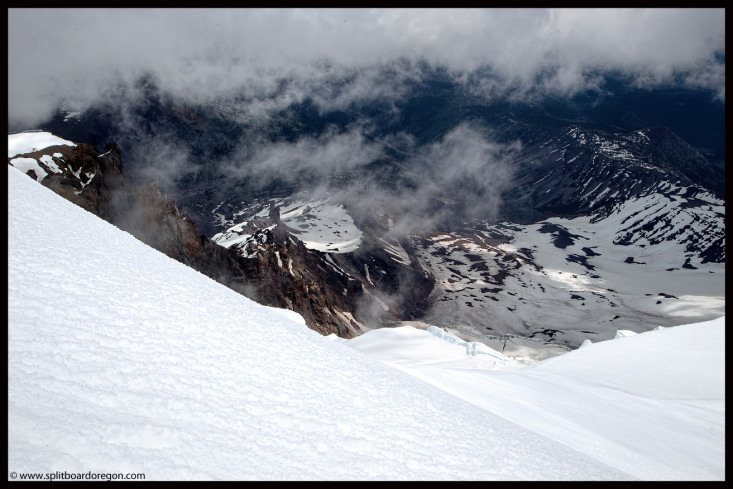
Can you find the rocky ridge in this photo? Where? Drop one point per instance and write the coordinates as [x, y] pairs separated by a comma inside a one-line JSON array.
[[97, 183]]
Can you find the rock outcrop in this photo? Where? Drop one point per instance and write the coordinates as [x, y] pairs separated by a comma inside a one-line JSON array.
[[280, 272]]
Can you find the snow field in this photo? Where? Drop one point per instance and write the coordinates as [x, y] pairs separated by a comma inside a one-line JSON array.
[[651, 405], [28, 142]]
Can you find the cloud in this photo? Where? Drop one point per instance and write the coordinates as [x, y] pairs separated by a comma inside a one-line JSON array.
[[334, 151], [459, 177], [472, 166], [165, 164], [76, 55]]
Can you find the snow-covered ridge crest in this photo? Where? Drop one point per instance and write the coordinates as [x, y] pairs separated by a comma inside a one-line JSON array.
[[585, 171], [31, 141]]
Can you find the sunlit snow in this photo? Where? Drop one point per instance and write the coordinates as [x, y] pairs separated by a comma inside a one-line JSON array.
[[121, 359], [27, 164], [651, 405], [28, 142]]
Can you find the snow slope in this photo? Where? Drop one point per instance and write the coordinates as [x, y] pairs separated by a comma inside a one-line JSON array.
[[651, 405], [121, 359]]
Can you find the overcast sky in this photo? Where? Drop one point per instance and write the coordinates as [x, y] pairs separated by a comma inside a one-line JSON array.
[[78, 55]]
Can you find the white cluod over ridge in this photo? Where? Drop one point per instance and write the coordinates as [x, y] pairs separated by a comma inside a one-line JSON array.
[[173, 375]]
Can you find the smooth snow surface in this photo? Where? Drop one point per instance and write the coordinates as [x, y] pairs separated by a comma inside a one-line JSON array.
[[28, 142], [121, 359], [651, 405]]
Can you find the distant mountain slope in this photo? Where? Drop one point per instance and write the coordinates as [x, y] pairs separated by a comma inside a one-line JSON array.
[[582, 171], [345, 213], [564, 280]]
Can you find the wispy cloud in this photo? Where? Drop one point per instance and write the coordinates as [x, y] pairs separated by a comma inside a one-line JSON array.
[[333, 151]]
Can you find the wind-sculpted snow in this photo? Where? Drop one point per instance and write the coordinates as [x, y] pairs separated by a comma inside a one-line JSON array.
[[121, 359]]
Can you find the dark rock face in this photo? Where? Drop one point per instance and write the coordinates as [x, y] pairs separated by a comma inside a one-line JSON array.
[[80, 180], [284, 273], [110, 162], [338, 293], [561, 237]]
